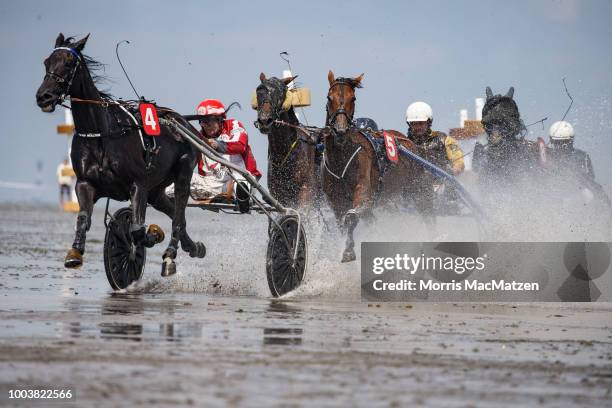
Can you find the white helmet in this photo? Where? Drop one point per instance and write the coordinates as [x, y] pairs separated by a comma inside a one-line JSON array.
[[419, 112], [561, 131]]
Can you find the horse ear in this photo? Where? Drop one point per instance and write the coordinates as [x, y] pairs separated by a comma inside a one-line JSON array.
[[489, 92], [358, 79], [59, 40], [330, 77], [262, 77], [510, 93], [287, 81], [79, 45]]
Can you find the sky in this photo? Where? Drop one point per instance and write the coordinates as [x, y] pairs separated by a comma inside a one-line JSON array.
[[442, 52]]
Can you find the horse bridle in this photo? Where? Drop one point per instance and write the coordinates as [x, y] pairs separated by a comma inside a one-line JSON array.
[[64, 80], [277, 106], [331, 118]]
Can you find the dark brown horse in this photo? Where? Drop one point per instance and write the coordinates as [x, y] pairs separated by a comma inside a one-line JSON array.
[[508, 156], [292, 178], [352, 180], [109, 159]]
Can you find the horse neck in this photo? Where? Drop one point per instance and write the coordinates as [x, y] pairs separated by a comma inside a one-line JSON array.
[[282, 138], [338, 154], [87, 116]]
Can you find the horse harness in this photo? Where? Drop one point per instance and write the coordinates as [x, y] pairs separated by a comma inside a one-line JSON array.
[[124, 123], [126, 116], [380, 156]]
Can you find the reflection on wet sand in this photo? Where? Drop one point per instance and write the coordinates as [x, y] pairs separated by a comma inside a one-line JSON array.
[[128, 305], [283, 336]]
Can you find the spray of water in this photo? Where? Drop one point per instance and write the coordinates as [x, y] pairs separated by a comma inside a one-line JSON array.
[[558, 208]]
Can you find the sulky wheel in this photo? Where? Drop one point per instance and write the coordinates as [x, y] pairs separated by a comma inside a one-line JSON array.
[[124, 262], [282, 272]]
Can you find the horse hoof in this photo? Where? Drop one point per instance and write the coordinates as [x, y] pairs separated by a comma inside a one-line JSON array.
[[157, 232], [74, 259], [199, 251], [168, 268], [348, 256]]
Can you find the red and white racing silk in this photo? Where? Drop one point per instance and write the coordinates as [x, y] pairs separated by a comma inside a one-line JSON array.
[[234, 146]]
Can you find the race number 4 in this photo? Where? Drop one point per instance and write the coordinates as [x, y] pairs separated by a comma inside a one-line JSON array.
[[150, 123], [391, 147]]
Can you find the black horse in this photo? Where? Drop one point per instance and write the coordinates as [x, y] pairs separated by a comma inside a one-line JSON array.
[[292, 178], [507, 155], [109, 156]]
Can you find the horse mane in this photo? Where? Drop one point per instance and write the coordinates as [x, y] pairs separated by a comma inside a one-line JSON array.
[[94, 67], [350, 81]]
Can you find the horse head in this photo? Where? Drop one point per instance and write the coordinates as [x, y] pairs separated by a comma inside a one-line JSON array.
[[500, 117], [341, 102], [61, 68], [271, 95]]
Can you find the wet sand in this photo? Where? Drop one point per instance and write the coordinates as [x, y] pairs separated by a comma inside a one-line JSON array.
[[211, 336]]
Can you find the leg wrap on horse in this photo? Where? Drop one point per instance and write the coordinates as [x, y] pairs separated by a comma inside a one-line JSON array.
[[350, 221], [138, 233], [83, 221], [82, 226]]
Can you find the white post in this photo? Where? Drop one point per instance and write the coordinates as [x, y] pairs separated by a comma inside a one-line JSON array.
[[68, 117], [463, 116], [287, 74], [480, 102]]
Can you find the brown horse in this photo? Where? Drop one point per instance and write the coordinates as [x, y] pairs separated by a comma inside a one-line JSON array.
[[352, 181]]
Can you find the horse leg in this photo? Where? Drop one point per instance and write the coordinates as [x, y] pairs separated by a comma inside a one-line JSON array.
[[161, 202], [181, 195], [139, 197], [351, 219], [85, 193]]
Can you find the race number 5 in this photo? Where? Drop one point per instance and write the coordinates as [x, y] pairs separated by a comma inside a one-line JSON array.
[[391, 147], [150, 123]]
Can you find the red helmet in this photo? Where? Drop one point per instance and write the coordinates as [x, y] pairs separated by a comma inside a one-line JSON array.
[[211, 107]]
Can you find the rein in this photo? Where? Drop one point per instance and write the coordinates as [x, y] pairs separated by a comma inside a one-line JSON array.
[[306, 129]]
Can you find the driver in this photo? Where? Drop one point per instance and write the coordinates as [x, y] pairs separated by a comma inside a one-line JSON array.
[[229, 138], [562, 148], [440, 149]]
